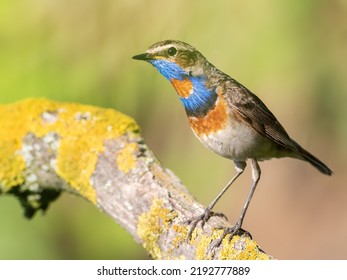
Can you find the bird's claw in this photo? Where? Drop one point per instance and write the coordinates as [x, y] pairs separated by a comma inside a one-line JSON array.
[[231, 231], [203, 218]]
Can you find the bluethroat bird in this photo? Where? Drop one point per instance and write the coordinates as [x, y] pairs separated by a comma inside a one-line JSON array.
[[226, 117]]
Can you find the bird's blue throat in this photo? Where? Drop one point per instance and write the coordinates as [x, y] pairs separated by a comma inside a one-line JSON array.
[[201, 100]]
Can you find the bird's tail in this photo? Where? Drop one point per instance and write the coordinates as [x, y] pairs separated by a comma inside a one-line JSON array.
[[314, 161]]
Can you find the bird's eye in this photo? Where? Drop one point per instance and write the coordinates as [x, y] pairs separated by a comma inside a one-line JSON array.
[[172, 51]]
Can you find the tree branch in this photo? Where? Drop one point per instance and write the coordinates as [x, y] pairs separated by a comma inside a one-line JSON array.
[[48, 147]]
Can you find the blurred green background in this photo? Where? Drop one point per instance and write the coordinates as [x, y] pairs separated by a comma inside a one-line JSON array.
[[292, 54]]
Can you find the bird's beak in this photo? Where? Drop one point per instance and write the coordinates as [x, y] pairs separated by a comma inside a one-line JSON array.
[[143, 56]]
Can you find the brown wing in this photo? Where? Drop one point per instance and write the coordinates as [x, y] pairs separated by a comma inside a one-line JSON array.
[[249, 109]]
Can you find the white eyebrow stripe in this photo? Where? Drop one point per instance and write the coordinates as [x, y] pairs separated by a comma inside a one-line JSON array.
[[159, 49]]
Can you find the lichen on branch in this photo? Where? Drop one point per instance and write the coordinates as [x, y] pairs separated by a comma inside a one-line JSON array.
[[48, 147], [76, 132]]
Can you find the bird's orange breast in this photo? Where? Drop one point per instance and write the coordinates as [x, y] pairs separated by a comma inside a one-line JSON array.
[[215, 120], [183, 87]]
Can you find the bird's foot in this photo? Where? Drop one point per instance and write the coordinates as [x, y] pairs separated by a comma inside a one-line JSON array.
[[203, 218], [231, 231]]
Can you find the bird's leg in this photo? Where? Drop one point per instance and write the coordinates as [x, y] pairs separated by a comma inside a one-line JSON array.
[[208, 213], [236, 229]]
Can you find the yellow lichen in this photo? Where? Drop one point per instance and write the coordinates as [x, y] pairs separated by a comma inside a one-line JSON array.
[[11, 164], [152, 224], [126, 159], [202, 247], [82, 130], [249, 250], [158, 220], [181, 236], [239, 248]]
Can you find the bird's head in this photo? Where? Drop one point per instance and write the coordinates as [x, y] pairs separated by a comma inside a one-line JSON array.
[[174, 59], [188, 71]]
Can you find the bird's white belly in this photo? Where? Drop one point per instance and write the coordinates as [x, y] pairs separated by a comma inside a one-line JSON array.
[[238, 144]]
